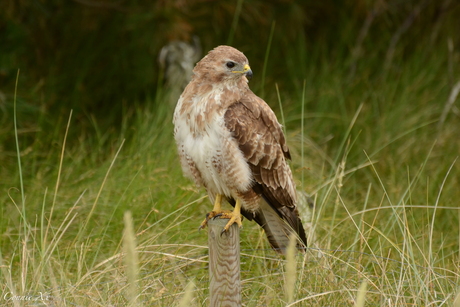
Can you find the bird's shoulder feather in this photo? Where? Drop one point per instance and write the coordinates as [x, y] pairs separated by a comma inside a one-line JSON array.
[[261, 140]]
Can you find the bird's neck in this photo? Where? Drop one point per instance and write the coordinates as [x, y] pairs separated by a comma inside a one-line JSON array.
[[211, 102]]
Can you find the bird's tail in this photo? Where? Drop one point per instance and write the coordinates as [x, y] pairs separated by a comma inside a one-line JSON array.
[[279, 227]]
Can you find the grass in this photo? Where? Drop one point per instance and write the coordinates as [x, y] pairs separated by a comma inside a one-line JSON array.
[[103, 217]]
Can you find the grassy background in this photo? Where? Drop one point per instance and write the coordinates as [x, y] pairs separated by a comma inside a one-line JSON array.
[[360, 88]]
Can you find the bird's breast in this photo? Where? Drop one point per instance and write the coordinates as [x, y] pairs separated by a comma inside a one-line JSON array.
[[207, 150], [201, 131]]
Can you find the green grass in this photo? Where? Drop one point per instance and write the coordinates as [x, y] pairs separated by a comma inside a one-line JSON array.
[[384, 231]]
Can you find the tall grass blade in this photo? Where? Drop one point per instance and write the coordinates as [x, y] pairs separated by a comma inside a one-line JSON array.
[[290, 275], [457, 300], [25, 234], [130, 258], [302, 131], [441, 189], [361, 298], [449, 103], [236, 17], [283, 122], [90, 214], [58, 180], [345, 138], [18, 153], [267, 54], [188, 295]]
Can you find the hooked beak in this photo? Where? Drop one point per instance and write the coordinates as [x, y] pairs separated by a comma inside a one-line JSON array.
[[247, 71]]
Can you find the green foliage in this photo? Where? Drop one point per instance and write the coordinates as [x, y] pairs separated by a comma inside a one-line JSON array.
[[361, 86], [95, 56]]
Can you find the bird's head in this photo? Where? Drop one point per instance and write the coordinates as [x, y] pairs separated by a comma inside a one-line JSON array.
[[224, 63]]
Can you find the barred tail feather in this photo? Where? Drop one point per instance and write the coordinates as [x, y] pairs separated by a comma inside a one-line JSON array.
[[278, 229], [278, 225]]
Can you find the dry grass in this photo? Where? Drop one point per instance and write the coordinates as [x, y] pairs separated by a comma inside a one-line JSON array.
[[380, 255], [384, 230]]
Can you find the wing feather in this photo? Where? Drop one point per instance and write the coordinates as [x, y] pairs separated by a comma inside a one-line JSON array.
[[261, 140]]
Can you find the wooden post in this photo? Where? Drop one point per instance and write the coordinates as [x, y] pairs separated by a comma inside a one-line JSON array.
[[224, 264]]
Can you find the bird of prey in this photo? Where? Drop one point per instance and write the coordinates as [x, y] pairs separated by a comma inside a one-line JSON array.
[[230, 142]]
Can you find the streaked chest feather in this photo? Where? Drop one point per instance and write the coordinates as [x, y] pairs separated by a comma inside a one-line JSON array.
[[201, 133]]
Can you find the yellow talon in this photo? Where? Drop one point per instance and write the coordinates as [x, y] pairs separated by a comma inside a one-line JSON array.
[[217, 212], [235, 216]]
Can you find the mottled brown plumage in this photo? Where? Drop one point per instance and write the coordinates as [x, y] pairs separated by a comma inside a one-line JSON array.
[[231, 143]]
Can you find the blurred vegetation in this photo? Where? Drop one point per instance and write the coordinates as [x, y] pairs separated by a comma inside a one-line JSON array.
[[100, 58], [360, 86], [100, 55]]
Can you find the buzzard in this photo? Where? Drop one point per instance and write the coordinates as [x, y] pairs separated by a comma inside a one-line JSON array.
[[230, 142]]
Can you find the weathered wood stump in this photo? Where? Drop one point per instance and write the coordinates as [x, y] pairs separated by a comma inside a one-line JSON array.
[[224, 264]]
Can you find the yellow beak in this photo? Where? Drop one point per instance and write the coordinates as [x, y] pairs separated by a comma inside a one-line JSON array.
[[246, 70]]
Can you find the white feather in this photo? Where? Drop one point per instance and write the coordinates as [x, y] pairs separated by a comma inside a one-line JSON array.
[[213, 141]]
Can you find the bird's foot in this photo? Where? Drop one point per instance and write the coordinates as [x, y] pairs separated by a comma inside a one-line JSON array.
[[234, 217], [211, 215]]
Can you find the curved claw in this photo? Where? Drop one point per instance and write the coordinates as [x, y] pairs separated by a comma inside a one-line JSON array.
[[215, 211], [227, 227], [214, 214], [233, 216]]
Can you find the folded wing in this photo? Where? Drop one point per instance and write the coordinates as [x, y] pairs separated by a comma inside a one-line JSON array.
[[261, 140]]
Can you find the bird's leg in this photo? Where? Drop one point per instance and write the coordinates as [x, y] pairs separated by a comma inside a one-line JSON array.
[[217, 204], [234, 216], [216, 210]]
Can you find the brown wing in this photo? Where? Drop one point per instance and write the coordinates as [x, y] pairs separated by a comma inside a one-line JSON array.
[[262, 142]]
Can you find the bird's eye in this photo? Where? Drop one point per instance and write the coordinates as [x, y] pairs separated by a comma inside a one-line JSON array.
[[230, 64]]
